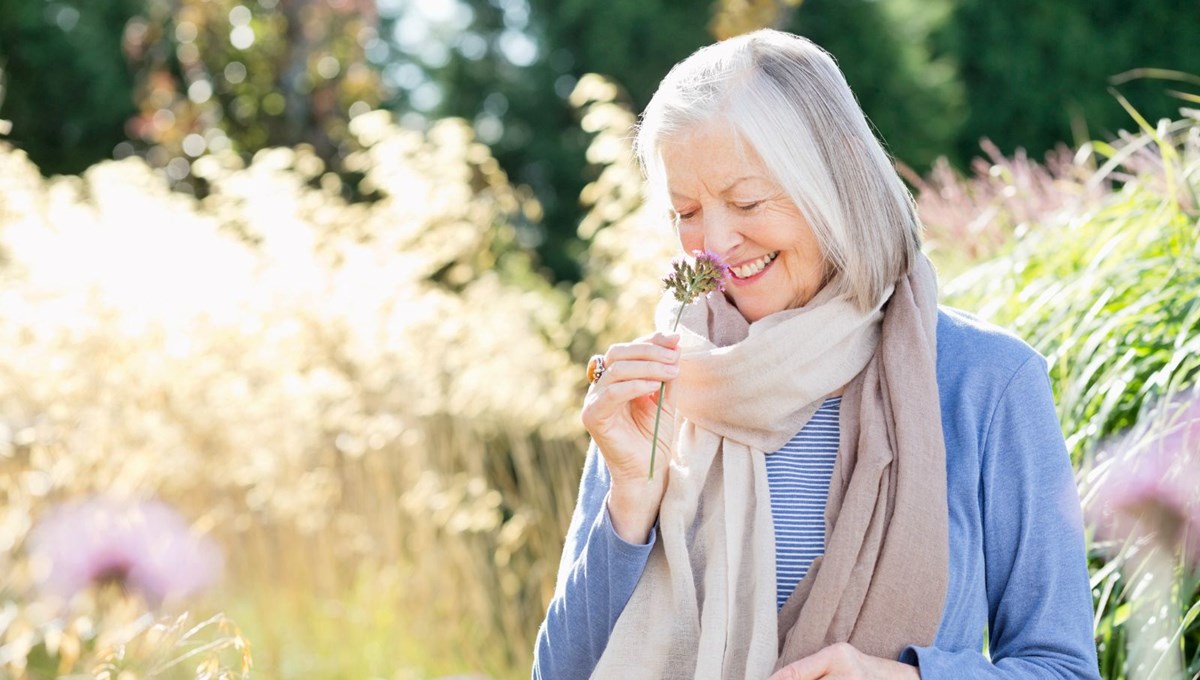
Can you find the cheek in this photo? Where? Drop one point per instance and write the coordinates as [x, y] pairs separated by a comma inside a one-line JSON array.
[[690, 238]]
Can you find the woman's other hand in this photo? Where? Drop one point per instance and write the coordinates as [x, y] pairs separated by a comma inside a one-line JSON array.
[[843, 662], [619, 413]]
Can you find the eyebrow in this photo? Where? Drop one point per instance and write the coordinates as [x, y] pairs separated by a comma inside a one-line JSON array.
[[728, 187]]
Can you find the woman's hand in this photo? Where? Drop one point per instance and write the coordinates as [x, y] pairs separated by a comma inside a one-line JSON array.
[[619, 414], [843, 662]]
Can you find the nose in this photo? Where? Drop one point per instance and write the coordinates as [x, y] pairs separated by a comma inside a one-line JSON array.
[[719, 233]]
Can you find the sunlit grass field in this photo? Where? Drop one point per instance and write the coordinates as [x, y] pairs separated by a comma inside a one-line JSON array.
[[372, 408]]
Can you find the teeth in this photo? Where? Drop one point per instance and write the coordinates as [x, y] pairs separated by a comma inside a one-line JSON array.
[[752, 268]]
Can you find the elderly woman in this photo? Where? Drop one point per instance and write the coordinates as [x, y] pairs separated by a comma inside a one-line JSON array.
[[861, 484]]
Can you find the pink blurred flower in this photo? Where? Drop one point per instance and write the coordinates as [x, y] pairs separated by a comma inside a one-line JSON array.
[[1152, 481], [144, 547]]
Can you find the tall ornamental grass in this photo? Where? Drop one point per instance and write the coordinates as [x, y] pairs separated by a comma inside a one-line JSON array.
[[370, 407], [1109, 294]]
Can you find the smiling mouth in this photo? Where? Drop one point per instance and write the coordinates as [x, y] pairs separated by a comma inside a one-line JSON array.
[[755, 267]]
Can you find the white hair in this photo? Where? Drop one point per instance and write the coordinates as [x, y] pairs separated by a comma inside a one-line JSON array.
[[786, 97]]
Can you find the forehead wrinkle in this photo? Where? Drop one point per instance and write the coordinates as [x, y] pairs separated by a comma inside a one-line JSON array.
[[728, 188], [727, 139]]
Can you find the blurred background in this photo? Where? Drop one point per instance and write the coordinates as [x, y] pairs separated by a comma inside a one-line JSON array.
[[319, 278]]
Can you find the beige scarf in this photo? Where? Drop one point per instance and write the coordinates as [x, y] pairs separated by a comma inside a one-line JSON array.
[[705, 605]]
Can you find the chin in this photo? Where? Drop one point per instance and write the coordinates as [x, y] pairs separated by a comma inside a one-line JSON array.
[[752, 315], [754, 310]]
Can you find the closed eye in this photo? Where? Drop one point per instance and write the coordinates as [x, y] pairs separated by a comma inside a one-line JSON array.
[[748, 207], [684, 216]]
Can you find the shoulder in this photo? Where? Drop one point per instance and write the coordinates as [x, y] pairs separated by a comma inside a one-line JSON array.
[[980, 366], [966, 338], [974, 354]]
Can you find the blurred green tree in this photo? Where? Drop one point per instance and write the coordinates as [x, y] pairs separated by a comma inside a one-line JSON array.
[[173, 80], [1037, 73], [201, 76], [246, 75], [64, 84]]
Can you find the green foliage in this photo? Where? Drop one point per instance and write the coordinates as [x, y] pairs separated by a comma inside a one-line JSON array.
[[934, 77], [1108, 295], [172, 81], [64, 83], [214, 75], [1037, 73]]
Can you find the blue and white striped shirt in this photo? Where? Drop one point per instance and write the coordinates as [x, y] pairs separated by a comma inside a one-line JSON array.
[[798, 476]]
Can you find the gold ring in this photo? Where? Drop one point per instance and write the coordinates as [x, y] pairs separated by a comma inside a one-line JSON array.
[[595, 368]]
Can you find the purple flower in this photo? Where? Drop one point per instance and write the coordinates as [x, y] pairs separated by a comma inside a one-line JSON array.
[[144, 547], [1152, 482], [688, 281]]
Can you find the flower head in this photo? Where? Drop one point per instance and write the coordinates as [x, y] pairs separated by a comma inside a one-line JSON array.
[[143, 547], [1151, 484], [688, 281]]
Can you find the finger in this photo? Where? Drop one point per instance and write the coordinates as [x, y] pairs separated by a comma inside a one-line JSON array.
[[654, 348], [608, 401], [809, 668], [666, 339], [660, 338], [622, 371], [619, 394]]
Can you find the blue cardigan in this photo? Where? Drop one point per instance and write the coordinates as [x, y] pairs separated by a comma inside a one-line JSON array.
[[1018, 573]]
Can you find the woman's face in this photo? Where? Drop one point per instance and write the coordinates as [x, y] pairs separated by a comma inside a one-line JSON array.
[[726, 201]]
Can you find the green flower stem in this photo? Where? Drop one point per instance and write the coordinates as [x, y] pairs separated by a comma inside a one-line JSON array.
[[658, 412]]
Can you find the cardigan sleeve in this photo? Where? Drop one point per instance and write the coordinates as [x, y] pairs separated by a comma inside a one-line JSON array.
[[1038, 592], [596, 577]]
